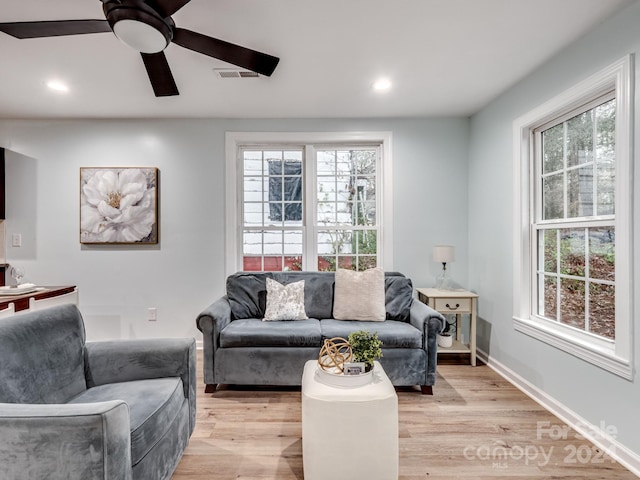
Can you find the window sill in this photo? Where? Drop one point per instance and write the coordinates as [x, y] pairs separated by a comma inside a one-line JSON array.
[[601, 354]]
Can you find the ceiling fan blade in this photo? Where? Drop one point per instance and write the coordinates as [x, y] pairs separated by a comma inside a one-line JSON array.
[[54, 28], [166, 8], [228, 52], [160, 74]]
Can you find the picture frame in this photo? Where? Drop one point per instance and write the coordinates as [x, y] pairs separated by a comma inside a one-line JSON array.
[[119, 205]]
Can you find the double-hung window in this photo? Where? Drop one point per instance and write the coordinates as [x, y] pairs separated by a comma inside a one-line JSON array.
[[308, 201], [573, 236]]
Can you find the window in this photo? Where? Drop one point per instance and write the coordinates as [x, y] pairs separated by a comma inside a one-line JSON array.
[[573, 221], [574, 226], [307, 201], [346, 185]]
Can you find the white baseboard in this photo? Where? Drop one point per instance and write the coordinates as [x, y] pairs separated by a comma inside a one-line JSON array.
[[594, 433]]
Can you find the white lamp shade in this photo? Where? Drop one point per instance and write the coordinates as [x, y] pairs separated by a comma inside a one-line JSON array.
[[443, 253]]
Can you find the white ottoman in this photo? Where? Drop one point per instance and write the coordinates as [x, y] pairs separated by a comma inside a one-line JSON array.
[[349, 432]]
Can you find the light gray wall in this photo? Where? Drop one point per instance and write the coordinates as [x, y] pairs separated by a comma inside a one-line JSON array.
[[185, 272], [592, 393]]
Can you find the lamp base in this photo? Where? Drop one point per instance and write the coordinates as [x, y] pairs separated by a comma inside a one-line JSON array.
[[444, 282]]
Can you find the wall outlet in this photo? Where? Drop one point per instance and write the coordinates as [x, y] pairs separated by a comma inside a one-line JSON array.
[[152, 314]]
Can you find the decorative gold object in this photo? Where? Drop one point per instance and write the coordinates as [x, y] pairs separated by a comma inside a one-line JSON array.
[[334, 353]]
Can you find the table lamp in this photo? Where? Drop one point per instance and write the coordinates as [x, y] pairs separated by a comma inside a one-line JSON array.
[[443, 254]]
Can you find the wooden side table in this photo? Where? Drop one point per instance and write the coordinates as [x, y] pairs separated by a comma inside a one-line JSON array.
[[458, 302]]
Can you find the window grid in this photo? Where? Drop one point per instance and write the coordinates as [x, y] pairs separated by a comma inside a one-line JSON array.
[[343, 215], [351, 230], [270, 243], [560, 285]]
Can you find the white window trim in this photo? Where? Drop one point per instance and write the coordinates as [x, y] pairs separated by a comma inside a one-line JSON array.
[[615, 357], [235, 139]]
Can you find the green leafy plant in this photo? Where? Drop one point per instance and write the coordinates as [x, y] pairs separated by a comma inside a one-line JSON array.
[[365, 346]]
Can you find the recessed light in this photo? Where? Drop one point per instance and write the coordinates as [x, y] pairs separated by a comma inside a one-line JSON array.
[[382, 85], [57, 86]]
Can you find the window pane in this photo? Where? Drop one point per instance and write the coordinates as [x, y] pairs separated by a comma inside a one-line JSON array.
[[549, 241], [602, 310], [272, 243], [252, 167], [273, 156], [572, 252], [552, 148], [580, 139], [606, 183], [252, 214], [549, 303], [326, 213], [606, 131], [292, 242], [602, 256], [605, 115], [326, 263], [326, 189], [348, 262], [572, 302], [366, 262], [293, 263], [252, 242], [253, 188], [553, 197], [364, 162], [580, 192], [326, 162], [367, 242]]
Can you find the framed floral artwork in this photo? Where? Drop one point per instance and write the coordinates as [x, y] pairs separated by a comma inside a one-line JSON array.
[[118, 205]]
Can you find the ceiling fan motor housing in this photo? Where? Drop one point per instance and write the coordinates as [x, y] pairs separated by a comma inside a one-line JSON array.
[[138, 25]]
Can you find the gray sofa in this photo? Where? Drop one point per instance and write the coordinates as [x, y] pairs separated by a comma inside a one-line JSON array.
[[239, 348], [98, 410]]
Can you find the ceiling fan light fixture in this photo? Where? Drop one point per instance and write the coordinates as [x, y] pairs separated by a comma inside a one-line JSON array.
[[138, 25], [140, 36]]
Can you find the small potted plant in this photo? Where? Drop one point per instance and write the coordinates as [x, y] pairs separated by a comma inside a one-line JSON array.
[[365, 347], [445, 340]]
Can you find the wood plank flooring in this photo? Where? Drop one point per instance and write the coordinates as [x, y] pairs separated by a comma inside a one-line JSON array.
[[475, 426]]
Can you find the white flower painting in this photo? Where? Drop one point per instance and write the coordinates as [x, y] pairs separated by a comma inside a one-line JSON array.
[[119, 205]]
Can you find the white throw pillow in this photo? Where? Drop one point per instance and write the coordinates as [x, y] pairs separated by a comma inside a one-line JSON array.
[[285, 302], [359, 295]]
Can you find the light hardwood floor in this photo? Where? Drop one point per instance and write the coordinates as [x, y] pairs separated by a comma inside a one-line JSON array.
[[475, 426]]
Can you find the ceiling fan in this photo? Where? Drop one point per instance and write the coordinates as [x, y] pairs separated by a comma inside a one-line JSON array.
[[147, 27]]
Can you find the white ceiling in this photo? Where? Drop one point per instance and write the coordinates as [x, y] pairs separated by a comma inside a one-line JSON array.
[[444, 57]]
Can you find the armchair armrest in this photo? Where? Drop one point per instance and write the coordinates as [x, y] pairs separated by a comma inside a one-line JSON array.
[[90, 441], [211, 321], [127, 360]]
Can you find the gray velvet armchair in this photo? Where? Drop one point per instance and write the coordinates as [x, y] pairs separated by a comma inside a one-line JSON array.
[[97, 410]]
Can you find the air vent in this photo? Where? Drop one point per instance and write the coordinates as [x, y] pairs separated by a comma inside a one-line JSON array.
[[230, 73]]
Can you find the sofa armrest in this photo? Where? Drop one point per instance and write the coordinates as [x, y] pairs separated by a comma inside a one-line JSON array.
[[422, 315], [91, 441], [430, 323], [127, 360], [211, 322]]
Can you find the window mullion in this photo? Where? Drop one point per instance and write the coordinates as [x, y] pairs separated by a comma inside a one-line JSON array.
[[310, 205]]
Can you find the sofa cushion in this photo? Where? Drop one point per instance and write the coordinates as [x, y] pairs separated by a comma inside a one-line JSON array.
[[359, 295], [285, 302], [253, 332], [392, 333], [153, 405], [42, 356], [398, 297]]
